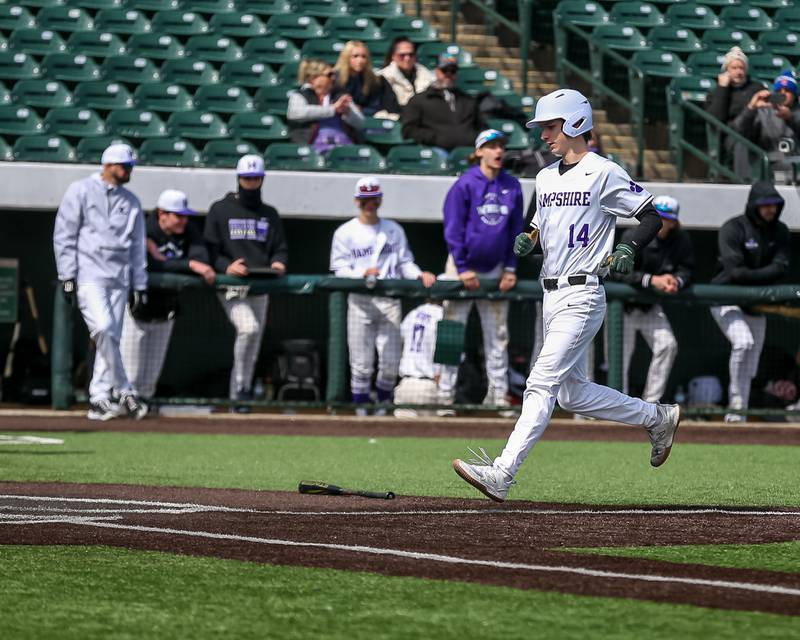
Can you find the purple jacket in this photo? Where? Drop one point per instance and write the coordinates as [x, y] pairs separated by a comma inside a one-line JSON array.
[[481, 220]]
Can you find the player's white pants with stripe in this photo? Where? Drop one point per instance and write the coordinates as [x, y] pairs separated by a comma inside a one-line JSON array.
[[572, 317], [103, 309], [746, 335], [144, 347], [373, 323], [657, 332], [248, 316]]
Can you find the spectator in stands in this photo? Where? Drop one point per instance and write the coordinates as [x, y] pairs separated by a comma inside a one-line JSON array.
[[355, 77], [245, 236], [666, 265], [730, 97], [754, 250], [403, 72], [327, 116], [99, 243], [442, 116], [173, 246]]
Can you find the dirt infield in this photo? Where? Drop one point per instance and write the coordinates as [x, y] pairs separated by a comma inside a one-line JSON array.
[[516, 544]]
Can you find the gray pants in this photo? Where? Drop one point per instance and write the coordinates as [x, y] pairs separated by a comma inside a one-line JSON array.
[[654, 326], [144, 348], [248, 316], [373, 324], [746, 335]]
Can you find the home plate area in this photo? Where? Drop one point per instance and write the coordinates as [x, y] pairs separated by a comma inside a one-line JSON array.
[[518, 544]]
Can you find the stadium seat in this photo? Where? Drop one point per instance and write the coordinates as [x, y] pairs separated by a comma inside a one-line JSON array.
[[656, 62], [428, 54], [90, 150], [245, 73], [581, 13], [74, 122], [705, 63], [288, 74], [197, 125], [295, 27], [781, 42], [347, 27], [223, 98], [517, 136], [190, 73], [770, 4], [162, 97], [378, 50], [41, 94], [619, 37], [177, 22], [19, 121], [326, 49], [263, 127], [124, 22], [694, 88], [36, 42], [475, 80], [95, 4], [238, 25], [355, 158], [154, 46], [416, 159], [637, 14], [213, 48], [321, 8], [748, 18], [14, 16], [152, 5], [375, 9], [70, 67], [458, 159], [766, 66], [724, 38], [675, 39], [525, 104], [169, 152], [273, 100], [43, 149], [102, 95], [690, 15], [383, 132], [415, 29], [265, 7], [96, 44], [293, 157], [6, 151], [34, 4], [17, 66], [224, 154], [5, 94], [136, 124], [788, 18], [209, 6], [64, 19], [130, 70], [271, 50]]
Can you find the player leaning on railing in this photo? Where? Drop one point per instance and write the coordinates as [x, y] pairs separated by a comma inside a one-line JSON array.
[[578, 200]]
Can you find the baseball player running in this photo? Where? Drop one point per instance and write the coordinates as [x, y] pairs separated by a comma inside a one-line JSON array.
[[375, 249], [173, 246], [99, 242], [578, 200]]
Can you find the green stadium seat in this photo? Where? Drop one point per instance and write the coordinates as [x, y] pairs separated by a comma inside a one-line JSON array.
[[724, 38], [70, 67], [581, 13], [273, 50], [637, 14], [265, 7], [238, 25], [152, 5], [44, 149], [415, 29], [223, 98], [6, 151], [15, 16], [517, 136], [416, 159], [190, 73], [125, 22], [162, 97], [35, 4], [288, 156], [5, 95], [90, 150], [64, 19], [690, 15], [766, 66], [288, 74], [17, 66], [675, 39], [95, 5], [96, 44], [475, 80], [383, 132], [197, 125], [781, 42], [213, 48], [169, 152], [19, 121], [321, 8], [378, 50], [41, 94], [209, 6], [355, 158], [262, 127], [131, 70], [224, 154], [458, 159], [177, 22], [656, 62], [347, 27], [36, 42], [74, 122], [770, 4], [295, 27], [136, 124], [620, 37], [244, 73], [326, 49], [155, 46], [102, 95], [525, 104], [273, 100], [428, 54], [788, 18], [694, 88], [748, 18], [705, 63], [375, 9]]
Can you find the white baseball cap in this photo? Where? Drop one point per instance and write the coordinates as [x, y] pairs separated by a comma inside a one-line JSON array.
[[250, 166], [488, 136], [118, 154], [368, 187], [175, 201], [667, 207]]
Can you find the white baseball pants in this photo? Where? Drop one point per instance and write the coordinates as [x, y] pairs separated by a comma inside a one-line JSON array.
[[248, 315], [655, 328], [103, 309], [416, 391], [746, 335], [144, 348], [572, 317], [373, 323]]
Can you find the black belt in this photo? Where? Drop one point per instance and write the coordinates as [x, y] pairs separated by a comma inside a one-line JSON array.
[[551, 284]]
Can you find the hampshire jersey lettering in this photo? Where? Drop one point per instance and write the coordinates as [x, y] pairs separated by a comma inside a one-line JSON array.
[[565, 199]]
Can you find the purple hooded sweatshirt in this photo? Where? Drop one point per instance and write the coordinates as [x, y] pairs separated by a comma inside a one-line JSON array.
[[481, 220]]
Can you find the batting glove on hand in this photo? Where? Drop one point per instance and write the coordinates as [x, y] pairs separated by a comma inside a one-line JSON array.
[[525, 242], [68, 289], [137, 301], [621, 261]]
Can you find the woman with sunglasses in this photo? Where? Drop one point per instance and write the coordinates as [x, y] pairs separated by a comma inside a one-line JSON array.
[[405, 75]]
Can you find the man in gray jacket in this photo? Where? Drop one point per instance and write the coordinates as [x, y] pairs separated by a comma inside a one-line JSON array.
[[99, 243]]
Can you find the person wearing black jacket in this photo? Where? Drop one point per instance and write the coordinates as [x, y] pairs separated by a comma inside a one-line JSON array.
[[666, 264], [754, 250], [173, 246], [245, 236]]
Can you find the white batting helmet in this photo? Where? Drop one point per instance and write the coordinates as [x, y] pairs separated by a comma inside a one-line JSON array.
[[564, 104]]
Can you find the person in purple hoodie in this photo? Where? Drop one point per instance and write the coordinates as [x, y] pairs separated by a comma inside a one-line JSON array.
[[482, 216]]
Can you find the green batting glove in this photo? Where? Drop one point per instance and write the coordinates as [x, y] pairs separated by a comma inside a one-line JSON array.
[[621, 261]]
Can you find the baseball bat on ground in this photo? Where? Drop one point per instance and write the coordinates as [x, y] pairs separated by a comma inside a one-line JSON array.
[[325, 489]]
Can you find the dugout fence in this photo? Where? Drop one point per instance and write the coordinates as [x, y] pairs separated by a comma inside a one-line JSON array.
[[313, 307]]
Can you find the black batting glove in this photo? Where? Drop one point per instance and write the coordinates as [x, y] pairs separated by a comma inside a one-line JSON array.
[[69, 289]]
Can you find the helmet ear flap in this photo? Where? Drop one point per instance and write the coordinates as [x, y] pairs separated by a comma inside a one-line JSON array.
[[578, 122]]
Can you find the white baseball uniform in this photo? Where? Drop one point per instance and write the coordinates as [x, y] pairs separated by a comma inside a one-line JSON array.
[[373, 322], [417, 368], [576, 216]]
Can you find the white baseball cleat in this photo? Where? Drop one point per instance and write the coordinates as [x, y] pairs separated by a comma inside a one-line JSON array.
[[133, 405], [481, 473], [662, 434], [103, 410]]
